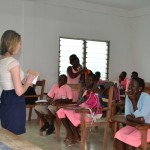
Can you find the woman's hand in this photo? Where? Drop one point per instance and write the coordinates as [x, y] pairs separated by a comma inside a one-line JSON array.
[[30, 78]]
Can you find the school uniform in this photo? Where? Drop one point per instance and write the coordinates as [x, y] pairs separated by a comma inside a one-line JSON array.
[[131, 135]]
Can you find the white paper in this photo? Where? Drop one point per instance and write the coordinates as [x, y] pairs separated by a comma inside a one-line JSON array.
[[41, 101], [35, 80]]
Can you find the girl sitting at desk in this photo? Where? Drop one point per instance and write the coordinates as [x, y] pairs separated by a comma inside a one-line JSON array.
[[136, 110], [71, 119]]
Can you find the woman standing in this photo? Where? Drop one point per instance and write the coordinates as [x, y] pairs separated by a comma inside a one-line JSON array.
[[12, 110]]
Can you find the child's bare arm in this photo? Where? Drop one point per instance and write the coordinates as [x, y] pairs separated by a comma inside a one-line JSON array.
[[133, 119]]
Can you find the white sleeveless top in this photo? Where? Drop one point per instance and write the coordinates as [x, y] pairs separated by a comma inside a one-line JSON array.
[[6, 64]]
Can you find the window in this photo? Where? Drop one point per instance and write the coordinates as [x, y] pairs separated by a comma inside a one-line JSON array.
[[92, 54]]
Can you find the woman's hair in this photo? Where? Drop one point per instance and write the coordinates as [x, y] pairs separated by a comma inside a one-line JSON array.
[[141, 82], [72, 58], [9, 41]]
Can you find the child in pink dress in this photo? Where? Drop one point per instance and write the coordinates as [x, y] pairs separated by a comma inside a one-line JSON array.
[[98, 79], [71, 119], [136, 110], [124, 81]]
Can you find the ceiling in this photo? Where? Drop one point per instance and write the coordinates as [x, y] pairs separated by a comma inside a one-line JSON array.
[[123, 4]]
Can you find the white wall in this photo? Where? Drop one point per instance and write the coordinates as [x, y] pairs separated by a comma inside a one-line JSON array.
[[141, 44]]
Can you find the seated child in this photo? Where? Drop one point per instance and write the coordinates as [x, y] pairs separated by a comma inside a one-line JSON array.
[[71, 119], [123, 81], [136, 110], [98, 79], [59, 93]]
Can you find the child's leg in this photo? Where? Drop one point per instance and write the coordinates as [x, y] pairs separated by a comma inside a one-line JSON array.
[[76, 134], [52, 116], [120, 145], [52, 113], [129, 147], [68, 128], [44, 120], [69, 138]]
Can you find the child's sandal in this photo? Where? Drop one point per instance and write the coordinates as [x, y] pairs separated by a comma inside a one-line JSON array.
[[69, 142], [77, 140], [66, 139]]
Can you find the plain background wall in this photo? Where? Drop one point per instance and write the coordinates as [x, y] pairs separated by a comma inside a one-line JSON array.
[[42, 22]]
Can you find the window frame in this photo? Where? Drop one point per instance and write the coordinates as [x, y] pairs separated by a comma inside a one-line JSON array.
[[84, 50]]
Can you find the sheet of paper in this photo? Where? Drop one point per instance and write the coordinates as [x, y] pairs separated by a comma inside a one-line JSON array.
[[41, 101], [35, 80], [35, 73]]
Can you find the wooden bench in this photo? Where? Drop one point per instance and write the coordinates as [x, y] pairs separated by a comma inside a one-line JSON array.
[[15, 142]]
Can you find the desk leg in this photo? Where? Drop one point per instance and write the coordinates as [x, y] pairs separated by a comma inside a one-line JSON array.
[[143, 139], [83, 130], [116, 126]]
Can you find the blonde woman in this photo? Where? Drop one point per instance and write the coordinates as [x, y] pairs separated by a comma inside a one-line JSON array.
[[12, 107]]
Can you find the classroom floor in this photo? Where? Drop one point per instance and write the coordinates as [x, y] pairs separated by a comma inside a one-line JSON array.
[[50, 142]]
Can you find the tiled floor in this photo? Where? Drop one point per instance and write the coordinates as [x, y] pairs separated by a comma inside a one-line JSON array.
[[50, 142]]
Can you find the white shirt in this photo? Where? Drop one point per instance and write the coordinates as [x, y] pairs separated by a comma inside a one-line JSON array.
[[6, 64]]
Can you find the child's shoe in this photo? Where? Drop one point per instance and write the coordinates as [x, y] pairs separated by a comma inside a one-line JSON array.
[[44, 128], [50, 130]]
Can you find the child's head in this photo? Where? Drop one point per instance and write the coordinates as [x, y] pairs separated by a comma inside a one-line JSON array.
[[74, 60], [136, 86], [97, 75], [134, 74], [62, 80], [122, 75], [89, 80]]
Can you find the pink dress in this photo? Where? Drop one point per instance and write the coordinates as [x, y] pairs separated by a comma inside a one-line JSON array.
[[131, 136], [74, 117], [74, 81], [125, 83], [100, 82]]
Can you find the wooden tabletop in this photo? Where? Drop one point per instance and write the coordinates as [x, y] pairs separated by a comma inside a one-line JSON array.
[[16, 142], [122, 119]]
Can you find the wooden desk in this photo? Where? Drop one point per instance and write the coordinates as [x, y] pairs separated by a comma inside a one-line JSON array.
[[15, 142], [117, 119]]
